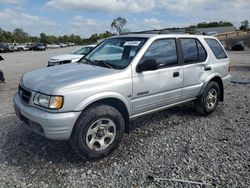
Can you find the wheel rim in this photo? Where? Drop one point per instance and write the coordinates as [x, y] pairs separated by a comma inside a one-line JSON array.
[[212, 97], [101, 134]]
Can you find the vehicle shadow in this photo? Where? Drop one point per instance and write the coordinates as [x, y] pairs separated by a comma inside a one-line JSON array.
[[181, 110]]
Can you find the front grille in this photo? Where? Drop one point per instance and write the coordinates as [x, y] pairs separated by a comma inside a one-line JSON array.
[[24, 94]]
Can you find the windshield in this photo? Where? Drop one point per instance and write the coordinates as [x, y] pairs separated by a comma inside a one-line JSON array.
[[83, 50], [115, 52]]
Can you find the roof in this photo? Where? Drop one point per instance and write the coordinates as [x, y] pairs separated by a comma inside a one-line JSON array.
[[161, 33], [162, 36]]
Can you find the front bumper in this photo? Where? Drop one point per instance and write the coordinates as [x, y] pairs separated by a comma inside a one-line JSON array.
[[56, 126]]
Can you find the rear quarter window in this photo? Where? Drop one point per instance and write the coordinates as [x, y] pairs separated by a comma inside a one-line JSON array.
[[216, 48]]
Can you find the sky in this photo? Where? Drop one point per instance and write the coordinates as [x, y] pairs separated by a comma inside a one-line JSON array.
[[85, 17]]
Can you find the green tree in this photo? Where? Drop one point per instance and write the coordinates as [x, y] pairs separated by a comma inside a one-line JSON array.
[[244, 25], [43, 38], [19, 35], [118, 24], [211, 24]]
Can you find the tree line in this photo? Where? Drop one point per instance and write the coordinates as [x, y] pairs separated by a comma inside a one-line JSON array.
[[211, 24], [118, 24], [20, 36]]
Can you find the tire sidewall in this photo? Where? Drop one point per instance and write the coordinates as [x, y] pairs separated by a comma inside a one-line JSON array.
[[211, 85], [84, 123]]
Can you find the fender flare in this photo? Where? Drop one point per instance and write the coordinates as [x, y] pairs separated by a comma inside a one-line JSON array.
[[208, 80], [104, 95]]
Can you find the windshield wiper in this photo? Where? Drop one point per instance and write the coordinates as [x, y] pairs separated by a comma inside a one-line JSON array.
[[88, 61], [105, 63]]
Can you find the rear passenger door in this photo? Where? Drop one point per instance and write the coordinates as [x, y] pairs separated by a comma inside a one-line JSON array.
[[158, 88], [194, 57]]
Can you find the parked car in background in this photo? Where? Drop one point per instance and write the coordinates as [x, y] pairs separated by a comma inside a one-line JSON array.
[[30, 46], [62, 45], [238, 46], [39, 47], [22, 47], [6, 48], [1, 72], [70, 44], [52, 46], [13, 46], [71, 57]]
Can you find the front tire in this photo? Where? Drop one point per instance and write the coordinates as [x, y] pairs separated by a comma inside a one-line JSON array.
[[208, 101], [97, 132]]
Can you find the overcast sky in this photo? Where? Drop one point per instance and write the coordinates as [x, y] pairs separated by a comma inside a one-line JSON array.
[[84, 17]]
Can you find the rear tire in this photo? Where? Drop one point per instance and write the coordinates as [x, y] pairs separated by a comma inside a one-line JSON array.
[[208, 101], [97, 132]]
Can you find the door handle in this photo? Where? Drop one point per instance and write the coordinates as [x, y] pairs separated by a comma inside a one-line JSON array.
[[176, 74], [207, 68]]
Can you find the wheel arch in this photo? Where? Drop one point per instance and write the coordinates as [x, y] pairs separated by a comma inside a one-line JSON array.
[[115, 100], [216, 78]]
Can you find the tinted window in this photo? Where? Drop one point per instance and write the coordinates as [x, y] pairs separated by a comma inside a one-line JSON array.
[[202, 52], [216, 48], [190, 51], [163, 51], [193, 51]]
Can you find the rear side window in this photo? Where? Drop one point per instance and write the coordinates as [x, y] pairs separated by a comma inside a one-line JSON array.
[[163, 51], [202, 52], [193, 51], [217, 49]]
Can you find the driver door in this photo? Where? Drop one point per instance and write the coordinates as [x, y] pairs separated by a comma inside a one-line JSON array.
[[162, 87]]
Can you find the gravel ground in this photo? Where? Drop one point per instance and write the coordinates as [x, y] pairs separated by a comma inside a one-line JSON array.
[[175, 143]]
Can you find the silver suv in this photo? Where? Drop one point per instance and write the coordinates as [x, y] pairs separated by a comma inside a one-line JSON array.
[[91, 102]]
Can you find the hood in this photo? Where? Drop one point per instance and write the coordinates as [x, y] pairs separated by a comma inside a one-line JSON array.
[[47, 80], [66, 57]]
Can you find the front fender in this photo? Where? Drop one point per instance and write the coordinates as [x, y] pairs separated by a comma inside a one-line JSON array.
[[105, 95]]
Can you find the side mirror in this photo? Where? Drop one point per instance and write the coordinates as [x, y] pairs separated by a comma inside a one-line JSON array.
[[1, 58], [147, 65]]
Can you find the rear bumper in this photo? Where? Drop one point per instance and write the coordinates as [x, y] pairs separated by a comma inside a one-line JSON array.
[[56, 126], [226, 80]]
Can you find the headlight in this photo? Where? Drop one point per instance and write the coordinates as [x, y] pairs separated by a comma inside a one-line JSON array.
[[47, 101]]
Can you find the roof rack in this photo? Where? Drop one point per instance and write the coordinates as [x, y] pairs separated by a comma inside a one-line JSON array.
[[162, 31]]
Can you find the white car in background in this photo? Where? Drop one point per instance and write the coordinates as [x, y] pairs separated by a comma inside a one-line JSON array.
[[62, 45], [71, 57], [22, 47], [52, 46]]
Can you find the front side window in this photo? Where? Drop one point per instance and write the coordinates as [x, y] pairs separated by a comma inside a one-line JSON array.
[[217, 49], [163, 51], [117, 52]]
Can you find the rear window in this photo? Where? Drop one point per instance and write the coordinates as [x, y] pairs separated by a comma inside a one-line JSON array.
[[217, 49]]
